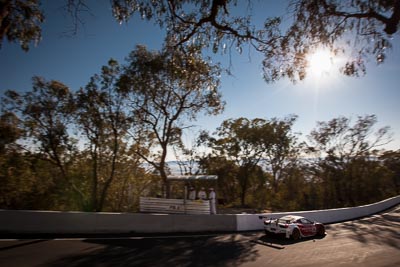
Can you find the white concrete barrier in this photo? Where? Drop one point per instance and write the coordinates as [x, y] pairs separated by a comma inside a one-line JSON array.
[[54, 222], [249, 222]]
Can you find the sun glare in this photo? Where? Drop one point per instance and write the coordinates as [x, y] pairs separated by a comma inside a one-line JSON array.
[[320, 62]]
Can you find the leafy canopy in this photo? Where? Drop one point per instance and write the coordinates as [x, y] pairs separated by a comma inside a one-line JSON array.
[[359, 30]]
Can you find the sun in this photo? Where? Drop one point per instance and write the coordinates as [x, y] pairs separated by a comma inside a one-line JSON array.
[[320, 62]]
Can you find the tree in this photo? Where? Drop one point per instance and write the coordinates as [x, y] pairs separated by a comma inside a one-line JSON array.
[[134, 180], [187, 157], [166, 90], [344, 159], [338, 139], [45, 115], [20, 21], [295, 191], [280, 149], [249, 143], [359, 29], [391, 160], [27, 182], [102, 120], [239, 141], [9, 130], [227, 171], [362, 29]]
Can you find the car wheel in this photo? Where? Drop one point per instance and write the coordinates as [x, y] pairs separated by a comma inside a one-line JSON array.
[[321, 230], [296, 234]]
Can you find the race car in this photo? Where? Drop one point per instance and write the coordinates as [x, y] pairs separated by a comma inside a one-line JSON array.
[[294, 227]]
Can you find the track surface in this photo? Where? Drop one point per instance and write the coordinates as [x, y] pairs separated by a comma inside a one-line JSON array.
[[372, 241]]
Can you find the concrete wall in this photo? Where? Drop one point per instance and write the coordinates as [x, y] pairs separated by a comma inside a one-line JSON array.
[[247, 222], [91, 223]]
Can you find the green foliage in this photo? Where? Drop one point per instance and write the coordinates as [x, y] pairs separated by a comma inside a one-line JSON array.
[[9, 130], [258, 162], [254, 143], [391, 161], [45, 115], [26, 182], [338, 167], [125, 115], [91, 149]]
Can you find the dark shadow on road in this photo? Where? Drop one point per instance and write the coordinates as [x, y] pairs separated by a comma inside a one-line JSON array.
[[378, 229], [279, 242], [228, 250], [21, 244]]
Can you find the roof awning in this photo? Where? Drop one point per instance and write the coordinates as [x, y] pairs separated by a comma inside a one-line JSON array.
[[192, 177]]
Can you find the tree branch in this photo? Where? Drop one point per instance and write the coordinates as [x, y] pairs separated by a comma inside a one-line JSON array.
[[391, 23]]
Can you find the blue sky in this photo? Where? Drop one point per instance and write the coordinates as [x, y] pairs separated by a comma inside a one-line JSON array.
[[74, 59]]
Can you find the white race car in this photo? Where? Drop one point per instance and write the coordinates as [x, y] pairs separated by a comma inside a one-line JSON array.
[[294, 227]]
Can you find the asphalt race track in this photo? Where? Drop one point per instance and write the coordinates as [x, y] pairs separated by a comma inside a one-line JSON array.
[[372, 241]]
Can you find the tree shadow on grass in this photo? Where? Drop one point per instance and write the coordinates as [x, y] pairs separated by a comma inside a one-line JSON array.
[[184, 251]]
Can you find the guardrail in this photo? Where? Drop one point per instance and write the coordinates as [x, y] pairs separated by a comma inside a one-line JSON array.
[[54, 222]]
